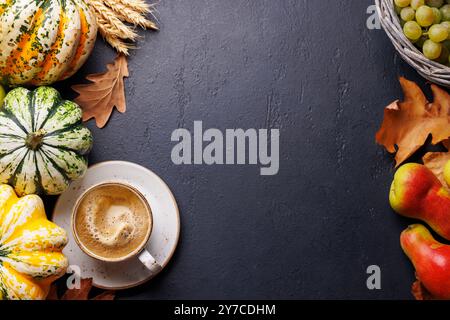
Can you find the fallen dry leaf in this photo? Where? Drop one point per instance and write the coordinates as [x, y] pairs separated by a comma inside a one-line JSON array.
[[53, 293], [107, 90], [407, 125], [107, 295], [80, 294], [436, 161]]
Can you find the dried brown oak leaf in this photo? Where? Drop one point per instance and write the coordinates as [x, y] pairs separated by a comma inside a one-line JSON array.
[[407, 125], [436, 161], [80, 294], [107, 90]]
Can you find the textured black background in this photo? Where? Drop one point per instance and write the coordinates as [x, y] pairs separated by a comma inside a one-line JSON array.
[[311, 69]]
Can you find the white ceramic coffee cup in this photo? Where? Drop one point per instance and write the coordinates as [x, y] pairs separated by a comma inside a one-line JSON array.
[[140, 252]]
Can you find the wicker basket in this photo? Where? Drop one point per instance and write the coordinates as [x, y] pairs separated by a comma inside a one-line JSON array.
[[431, 70]]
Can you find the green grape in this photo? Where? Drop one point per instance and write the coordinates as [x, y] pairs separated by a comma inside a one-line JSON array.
[[2, 95], [426, 23], [412, 30], [432, 50], [447, 25], [408, 14], [437, 15], [415, 4], [402, 3], [438, 33], [424, 16], [445, 12], [435, 3]]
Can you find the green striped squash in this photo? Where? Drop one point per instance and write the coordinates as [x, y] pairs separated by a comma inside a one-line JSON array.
[[43, 41], [43, 144]]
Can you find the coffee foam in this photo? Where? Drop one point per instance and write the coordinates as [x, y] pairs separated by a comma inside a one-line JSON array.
[[112, 222]]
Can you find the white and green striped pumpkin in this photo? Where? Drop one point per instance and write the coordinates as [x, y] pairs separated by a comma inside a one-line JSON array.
[[43, 144], [43, 41]]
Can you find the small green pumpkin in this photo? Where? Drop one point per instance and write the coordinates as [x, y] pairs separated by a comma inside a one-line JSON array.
[[43, 144]]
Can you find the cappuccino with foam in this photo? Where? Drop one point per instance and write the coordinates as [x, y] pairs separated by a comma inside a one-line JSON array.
[[112, 222]]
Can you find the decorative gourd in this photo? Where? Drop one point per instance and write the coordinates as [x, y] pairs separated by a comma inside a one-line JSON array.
[[44, 41], [30, 247], [42, 141]]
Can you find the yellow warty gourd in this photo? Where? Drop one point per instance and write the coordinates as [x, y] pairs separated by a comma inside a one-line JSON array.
[[30, 247]]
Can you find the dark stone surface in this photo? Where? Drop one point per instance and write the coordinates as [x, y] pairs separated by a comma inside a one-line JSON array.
[[311, 69]]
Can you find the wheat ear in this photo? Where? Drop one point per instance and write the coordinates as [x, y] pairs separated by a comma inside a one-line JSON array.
[[111, 16], [111, 23], [118, 44], [127, 14], [136, 5]]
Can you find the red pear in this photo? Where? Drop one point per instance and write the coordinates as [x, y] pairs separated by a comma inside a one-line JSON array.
[[430, 258], [417, 193]]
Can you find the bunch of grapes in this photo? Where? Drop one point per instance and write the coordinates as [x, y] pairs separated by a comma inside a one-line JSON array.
[[426, 23]]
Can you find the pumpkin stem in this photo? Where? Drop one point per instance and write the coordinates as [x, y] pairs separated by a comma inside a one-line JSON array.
[[34, 140]]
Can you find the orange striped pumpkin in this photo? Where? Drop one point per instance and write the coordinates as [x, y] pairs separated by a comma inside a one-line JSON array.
[[43, 41]]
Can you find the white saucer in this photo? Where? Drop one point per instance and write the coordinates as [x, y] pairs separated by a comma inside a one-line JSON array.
[[166, 224]]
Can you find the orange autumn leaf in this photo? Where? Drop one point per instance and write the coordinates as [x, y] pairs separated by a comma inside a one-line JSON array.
[[107, 90], [53, 293], [107, 295], [407, 124], [81, 293]]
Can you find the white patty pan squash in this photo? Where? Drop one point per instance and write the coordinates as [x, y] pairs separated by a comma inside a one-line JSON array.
[[43, 41], [43, 143], [30, 247]]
